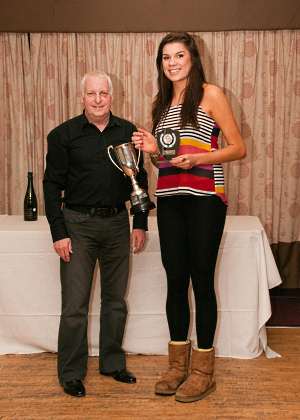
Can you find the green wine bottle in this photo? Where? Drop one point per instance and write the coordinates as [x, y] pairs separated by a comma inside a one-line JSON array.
[[30, 201]]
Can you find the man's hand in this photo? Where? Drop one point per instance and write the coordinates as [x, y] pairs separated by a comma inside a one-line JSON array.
[[138, 239], [63, 248]]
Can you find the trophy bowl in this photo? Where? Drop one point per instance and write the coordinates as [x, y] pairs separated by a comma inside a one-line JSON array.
[[128, 163]]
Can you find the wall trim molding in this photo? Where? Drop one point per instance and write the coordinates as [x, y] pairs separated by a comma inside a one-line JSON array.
[[147, 15]]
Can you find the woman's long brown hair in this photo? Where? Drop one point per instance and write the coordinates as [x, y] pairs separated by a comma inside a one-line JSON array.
[[194, 89]]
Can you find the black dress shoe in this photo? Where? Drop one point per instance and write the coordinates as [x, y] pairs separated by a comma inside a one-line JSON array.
[[121, 376], [74, 387]]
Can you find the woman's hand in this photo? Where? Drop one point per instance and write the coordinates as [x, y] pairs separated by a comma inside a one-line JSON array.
[[186, 161], [144, 141]]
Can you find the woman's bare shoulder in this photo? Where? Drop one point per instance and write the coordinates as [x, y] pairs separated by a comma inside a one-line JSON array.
[[212, 91], [212, 97]]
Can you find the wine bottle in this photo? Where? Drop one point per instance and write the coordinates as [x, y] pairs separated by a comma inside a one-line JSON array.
[[30, 201]]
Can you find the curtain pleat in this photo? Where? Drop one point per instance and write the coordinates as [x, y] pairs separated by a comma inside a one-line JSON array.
[[16, 144]]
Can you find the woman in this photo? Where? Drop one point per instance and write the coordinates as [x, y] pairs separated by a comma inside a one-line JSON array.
[[191, 205]]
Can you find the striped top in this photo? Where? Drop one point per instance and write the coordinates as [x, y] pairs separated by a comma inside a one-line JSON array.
[[201, 180]]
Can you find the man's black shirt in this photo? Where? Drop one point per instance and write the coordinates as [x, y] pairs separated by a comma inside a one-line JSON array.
[[77, 163]]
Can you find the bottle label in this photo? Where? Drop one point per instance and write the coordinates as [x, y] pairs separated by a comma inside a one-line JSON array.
[[30, 214]]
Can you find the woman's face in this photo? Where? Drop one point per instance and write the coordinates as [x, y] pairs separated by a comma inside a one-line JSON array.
[[177, 61]]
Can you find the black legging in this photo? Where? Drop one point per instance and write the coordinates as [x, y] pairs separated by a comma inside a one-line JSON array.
[[190, 230]]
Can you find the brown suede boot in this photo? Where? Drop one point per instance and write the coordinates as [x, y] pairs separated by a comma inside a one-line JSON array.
[[179, 359], [200, 383]]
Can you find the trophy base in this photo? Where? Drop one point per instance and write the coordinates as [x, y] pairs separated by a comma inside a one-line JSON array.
[[142, 207]]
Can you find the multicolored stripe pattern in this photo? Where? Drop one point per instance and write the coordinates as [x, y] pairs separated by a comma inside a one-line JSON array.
[[201, 180]]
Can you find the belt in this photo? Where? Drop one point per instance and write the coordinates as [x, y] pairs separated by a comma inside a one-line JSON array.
[[97, 211]]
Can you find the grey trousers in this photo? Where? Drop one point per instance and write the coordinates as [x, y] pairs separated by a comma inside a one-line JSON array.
[[107, 240]]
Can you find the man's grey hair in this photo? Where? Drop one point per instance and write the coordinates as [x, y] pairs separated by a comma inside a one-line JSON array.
[[100, 75]]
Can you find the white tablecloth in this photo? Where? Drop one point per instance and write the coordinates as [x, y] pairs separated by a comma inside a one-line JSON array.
[[30, 291]]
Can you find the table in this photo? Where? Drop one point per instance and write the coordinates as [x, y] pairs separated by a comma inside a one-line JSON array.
[[30, 291]]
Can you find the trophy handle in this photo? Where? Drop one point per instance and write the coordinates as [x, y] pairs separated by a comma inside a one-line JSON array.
[[112, 159], [138, 159]]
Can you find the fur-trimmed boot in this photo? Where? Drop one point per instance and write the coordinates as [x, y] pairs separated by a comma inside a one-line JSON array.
[[179, 360], [200, 383]]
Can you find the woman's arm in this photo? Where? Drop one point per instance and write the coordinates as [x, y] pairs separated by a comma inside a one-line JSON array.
[[217, 106]]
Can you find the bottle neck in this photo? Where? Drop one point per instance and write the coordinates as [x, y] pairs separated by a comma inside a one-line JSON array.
[[30, 182]]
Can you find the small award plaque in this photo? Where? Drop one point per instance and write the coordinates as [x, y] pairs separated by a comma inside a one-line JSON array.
[[168, 142]]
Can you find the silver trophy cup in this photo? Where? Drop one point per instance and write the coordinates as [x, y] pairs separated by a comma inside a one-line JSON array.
[[129, 165]]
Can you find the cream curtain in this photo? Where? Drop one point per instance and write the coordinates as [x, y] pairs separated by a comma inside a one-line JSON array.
[[259, 71], [16, 120]]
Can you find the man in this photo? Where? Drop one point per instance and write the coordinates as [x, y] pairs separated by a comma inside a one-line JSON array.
[[92, 224]]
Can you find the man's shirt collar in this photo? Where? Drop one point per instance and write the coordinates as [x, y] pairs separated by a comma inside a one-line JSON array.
[[113, 121]]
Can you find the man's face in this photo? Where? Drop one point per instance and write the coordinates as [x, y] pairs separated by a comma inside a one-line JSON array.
[[96, 99]]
